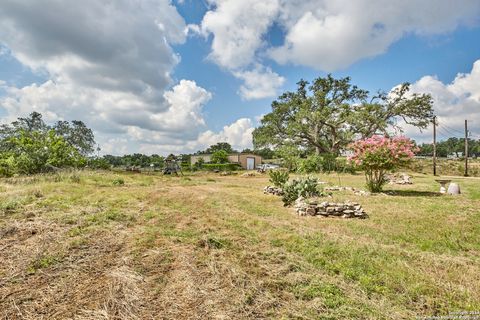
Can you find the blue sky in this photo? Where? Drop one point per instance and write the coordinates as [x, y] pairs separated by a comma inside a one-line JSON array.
[[161, 76]]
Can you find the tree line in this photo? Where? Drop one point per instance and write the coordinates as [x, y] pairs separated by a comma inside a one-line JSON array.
[[450, 146]]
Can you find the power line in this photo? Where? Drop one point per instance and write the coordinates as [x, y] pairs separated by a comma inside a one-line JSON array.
[[453, 129], [449, 132], [444, 134]]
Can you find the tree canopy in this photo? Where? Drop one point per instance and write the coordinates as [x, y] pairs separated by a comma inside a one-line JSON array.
[[28, 145], [328, 114], [76, 133], [219, 146], [220, 156]]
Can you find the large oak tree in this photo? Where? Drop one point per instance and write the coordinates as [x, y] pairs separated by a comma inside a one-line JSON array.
[[328, 114]]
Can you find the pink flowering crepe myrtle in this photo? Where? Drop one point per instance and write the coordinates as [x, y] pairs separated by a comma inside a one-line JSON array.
[[379, 154]]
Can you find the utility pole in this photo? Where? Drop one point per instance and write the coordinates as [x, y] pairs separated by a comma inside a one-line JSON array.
[[434, 145], [466, 149]]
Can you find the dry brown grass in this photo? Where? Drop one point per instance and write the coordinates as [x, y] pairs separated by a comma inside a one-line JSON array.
[[215, 247]]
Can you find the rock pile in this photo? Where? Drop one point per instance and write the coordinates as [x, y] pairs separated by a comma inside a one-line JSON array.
[[273, 190], [401, 178], [249, 174], [327, 209], [352, 189]]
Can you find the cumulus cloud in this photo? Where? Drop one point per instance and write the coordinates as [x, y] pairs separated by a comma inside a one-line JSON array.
[[238, 134], [107, 63], [325, 34], [453, 103], [237, 28], [331, 35], [260, 82]]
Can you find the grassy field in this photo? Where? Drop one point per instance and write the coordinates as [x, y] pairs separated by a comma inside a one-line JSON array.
[[204, 246]]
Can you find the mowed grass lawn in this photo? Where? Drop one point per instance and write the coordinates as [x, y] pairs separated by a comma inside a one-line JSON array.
[[204, 246]]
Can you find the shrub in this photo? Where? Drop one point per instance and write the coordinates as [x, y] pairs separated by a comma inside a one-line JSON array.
[[304, 187], [378, 155], [328, 162], [118, 182], [345, 166], [7, 167], [278, 177], [221, 166], [311, 164], [199, 164], [98, 163], [75, 178]]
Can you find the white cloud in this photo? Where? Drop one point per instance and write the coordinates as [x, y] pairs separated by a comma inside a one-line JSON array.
[[237, 28], [260, 82], [331, 35], [325, 34], [453, 103], [116, 113], [108, 62], [238, 134]]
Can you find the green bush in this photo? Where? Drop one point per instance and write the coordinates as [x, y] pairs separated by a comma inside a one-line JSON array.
[[328, 162], [303, 187], [221, 166], [7, 167], [118, 182], [311, 164], [75, 178], [278, 177], [325, 163], [98, 163], [344, 166]]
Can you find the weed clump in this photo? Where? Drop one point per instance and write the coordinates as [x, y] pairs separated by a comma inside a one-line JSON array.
[[118, 182], [75, 178]]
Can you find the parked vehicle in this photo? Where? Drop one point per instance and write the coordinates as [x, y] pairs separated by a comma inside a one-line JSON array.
[[267, 166]]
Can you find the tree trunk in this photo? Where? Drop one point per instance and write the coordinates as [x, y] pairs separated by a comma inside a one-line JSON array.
[[315, 138]]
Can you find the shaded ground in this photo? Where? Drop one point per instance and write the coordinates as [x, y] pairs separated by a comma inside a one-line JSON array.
[[212, 247]]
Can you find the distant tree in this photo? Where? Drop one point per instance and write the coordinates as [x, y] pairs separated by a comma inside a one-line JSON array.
[[220, 156], [425, 149], [200, 162], [33, 122], [77, 135], [449, 146], [265, 153], [220, 146]]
